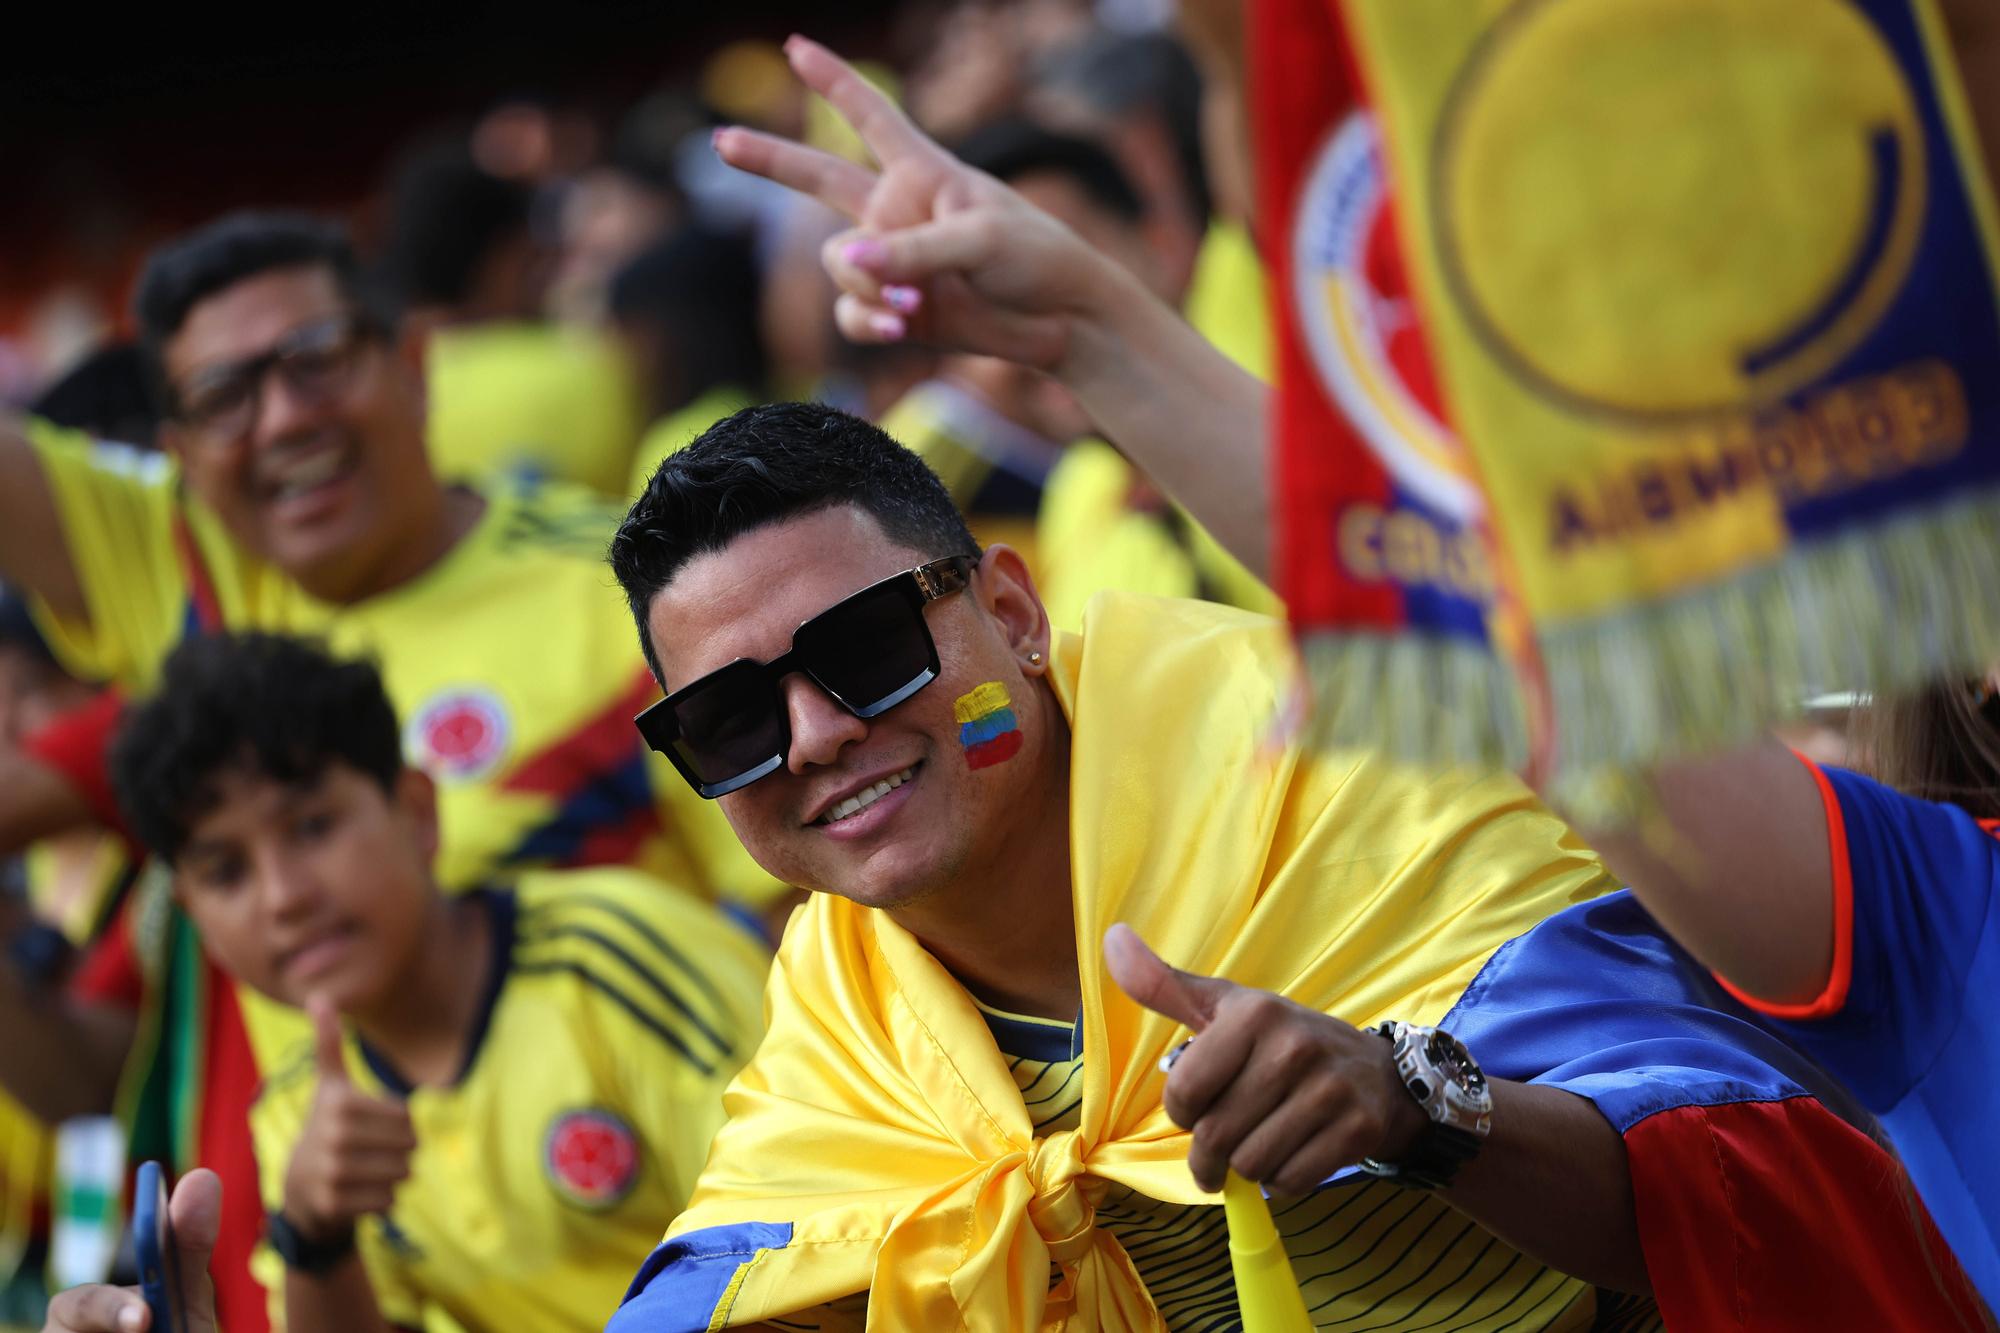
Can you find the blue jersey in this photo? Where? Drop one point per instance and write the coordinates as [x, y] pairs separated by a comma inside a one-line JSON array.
[[1908, 1019]]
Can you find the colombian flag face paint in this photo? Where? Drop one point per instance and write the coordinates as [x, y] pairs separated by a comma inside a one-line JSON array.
[[986, 725]]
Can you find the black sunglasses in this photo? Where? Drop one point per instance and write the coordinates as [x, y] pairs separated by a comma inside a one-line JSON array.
[[869, 652]]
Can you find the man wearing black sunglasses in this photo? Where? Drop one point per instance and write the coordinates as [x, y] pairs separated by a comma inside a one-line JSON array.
[[886, 718]]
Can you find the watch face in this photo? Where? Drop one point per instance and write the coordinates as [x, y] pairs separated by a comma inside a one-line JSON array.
[[1450, 1058]]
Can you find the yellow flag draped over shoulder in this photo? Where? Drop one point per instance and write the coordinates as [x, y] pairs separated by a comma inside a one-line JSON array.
[[878, 1143]]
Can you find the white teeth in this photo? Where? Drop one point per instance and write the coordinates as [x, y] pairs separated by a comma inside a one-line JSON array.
[[866, 797], [303, 476]]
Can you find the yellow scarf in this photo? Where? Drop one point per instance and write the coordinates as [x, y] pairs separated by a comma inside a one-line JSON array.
[[880, 1118]]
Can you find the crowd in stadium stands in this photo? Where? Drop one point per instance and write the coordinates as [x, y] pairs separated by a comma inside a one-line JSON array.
[[339, 878]]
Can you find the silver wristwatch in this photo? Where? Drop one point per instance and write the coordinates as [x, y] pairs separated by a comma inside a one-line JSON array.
[[1447, 1082]]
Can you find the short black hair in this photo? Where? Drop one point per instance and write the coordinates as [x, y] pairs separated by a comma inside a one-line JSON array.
[[767, 464], [700, 289], [237, 246], [1012, 148], [1119, 73], [272, 706], [446, 215]]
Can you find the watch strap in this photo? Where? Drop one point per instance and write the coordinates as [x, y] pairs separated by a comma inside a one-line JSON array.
[[302, 1254], [1432, 1161]]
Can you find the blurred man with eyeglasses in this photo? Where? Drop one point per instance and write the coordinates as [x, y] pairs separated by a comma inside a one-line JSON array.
[[295, 494]]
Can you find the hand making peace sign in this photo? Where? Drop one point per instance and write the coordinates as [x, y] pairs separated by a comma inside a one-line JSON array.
[[948, 255], [941, 249]]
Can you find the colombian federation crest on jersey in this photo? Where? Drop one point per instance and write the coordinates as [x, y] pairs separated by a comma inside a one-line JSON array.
[[592, 1158], [458, 734], [1360, 321]]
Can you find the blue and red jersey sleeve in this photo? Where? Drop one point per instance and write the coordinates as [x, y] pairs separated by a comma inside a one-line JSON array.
[[1914, 883]]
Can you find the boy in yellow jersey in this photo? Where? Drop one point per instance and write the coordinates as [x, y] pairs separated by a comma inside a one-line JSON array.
[[295, 494], [510, 1091]]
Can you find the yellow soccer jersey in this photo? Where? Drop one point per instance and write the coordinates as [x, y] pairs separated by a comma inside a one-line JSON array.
[[534, 400], [543, 1177]]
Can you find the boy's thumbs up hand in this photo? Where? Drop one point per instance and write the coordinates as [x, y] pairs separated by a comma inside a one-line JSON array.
[[355, 1149]]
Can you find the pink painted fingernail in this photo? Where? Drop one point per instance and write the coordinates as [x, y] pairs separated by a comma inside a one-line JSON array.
[[865, 253], [887, 326], [905, 299]]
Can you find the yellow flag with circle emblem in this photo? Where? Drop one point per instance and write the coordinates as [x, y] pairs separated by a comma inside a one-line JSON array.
[[1698, 349]]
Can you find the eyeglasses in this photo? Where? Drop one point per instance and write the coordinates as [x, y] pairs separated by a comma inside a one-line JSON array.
[[316, 362], [870, 652]]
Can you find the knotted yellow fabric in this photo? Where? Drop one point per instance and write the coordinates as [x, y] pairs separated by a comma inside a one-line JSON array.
[[880, 1119]]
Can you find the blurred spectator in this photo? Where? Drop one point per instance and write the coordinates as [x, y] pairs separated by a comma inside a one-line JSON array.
[[617, 207], [535, 144], [1141, 97], [460, 249], [508, 394], [1013, 447], [1146, 98], [686, 311], [976, 61], [994, 431]]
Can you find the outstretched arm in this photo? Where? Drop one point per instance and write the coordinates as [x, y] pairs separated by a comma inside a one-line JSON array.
[[947, 254]]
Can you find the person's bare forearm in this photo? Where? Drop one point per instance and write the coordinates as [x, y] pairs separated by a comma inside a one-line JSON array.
[[340, 1300], [33, 553], [1553, 1182], [1180, 409], [59, 1056]]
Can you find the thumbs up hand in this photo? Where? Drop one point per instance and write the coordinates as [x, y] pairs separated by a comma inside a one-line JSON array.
[[1282, 1094], [354, 1151]]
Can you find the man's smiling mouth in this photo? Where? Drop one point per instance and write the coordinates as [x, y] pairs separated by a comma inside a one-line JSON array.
[[864, 798]]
